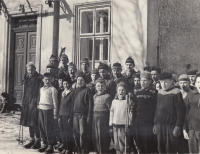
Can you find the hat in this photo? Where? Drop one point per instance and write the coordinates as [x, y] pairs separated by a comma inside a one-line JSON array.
[[147, 68], [183, 77], [61, 75], [71, 65], [85, 60], [100, 80], [50, 65], [103, 66], [122, 84], [137, 75], [192, 72], [68, 79], [121, 79], [80, 73], [47, 75], [130, 60], [146, 75], [30, 64], [157, 69], [117, 66], [53, 57], [165, 75], [94, 71], [64, 56]]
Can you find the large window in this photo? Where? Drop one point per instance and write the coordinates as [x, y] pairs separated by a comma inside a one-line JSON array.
[[93, 34]]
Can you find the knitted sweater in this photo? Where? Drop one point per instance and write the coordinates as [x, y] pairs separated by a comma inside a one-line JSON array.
[[170, 108], [48, 99], [102, 105], [82, 101], [145, 104], [193, 118], [118, 112]]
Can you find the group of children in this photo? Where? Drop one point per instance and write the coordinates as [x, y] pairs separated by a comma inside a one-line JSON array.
[[82, 111]]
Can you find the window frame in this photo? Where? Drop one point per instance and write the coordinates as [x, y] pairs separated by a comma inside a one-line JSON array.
[[79, 8]]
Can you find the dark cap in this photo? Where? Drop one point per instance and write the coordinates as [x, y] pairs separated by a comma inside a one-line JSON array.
[[165, 75], [103, 66], [117, 66], [130, 60], [80, 73], [192, 72]]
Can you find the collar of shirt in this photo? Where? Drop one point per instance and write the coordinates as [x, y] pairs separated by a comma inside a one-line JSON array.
[[46, 87]]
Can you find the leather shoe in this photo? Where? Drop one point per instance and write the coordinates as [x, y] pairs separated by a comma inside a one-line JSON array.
[[43, 148], [29, 144]]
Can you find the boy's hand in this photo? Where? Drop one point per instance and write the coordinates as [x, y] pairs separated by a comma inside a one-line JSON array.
[[186, 136], [177, 131], [111, 131], [55, 117], [155, 129]]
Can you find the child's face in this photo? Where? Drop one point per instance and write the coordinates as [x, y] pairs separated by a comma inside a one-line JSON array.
[[197, 84], [66, 85], [145, 82], [64, 61], [60, 82], [154, 75], [94, 76], [166, 84], [129, 66], [30, 70], [47, 81], [100, 87], [121, 92], [136, 81], [80, 82], [84, 66], [158, 86], [103, 73], [192, 77], [71, 70], [116, 72], [184, 85], [50, 70]]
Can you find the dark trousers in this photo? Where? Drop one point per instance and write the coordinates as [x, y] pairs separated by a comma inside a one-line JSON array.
[[167, 142], [66, 132], [146, 141], [100, 134], [80, 132], [194, 141], [47, 126], [34, 131], [119, 137], [57, 131]]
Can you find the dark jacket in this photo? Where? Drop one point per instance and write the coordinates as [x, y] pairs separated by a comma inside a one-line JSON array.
[[145, 104], [130, 79], [110, 87], [170, 108], [193, 118]]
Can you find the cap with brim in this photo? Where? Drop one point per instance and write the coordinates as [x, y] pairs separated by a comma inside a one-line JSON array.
[[71, 65], [62, 75], [183, 77], [117, 66], [94, 71], [145, 75], [137, 75], [130, 60], [30, 64], [192, 72], [100, 80], [50, 65], [165, 76], [122, 84], [80, 74], [103, 66], [67, 79]]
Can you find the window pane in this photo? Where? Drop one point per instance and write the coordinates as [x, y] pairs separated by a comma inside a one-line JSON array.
[[101, 21], [86, 48], [97, 51], [87, 22], [105, 49]]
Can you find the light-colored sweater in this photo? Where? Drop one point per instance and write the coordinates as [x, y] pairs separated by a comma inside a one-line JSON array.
[[118, 112], [48, 99]]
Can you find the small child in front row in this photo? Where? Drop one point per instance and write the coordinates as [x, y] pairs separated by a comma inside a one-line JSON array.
[[100, 125], [118, 117], [48, 114], [65, 116]]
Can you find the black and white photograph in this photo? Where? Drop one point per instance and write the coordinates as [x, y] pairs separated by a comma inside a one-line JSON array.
[[100, 76]]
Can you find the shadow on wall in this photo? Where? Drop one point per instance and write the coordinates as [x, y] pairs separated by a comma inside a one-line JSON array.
[[128, 33]]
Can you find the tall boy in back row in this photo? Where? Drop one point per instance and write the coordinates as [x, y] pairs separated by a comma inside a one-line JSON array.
[[170, 115]]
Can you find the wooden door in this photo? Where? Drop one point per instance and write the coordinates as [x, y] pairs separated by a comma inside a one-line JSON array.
[[25, 51]]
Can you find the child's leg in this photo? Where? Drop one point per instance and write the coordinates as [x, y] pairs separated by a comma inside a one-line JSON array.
[[116, 138], [121, 138], [63, 135], [76, 132], [193, 142], [84, 131], [42, 125]]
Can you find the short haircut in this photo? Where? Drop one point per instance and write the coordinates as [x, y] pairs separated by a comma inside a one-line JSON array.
[[197, 76], [48, 75]]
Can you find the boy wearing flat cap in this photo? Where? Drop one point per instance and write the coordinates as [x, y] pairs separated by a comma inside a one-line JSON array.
[[116, 71], [82, 113], [110, 84], [130, 72], [170, 115], [72, 71], [85, 68], [94, 77], [51, 68], [192, 75], [144, 107], [64, 67]]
